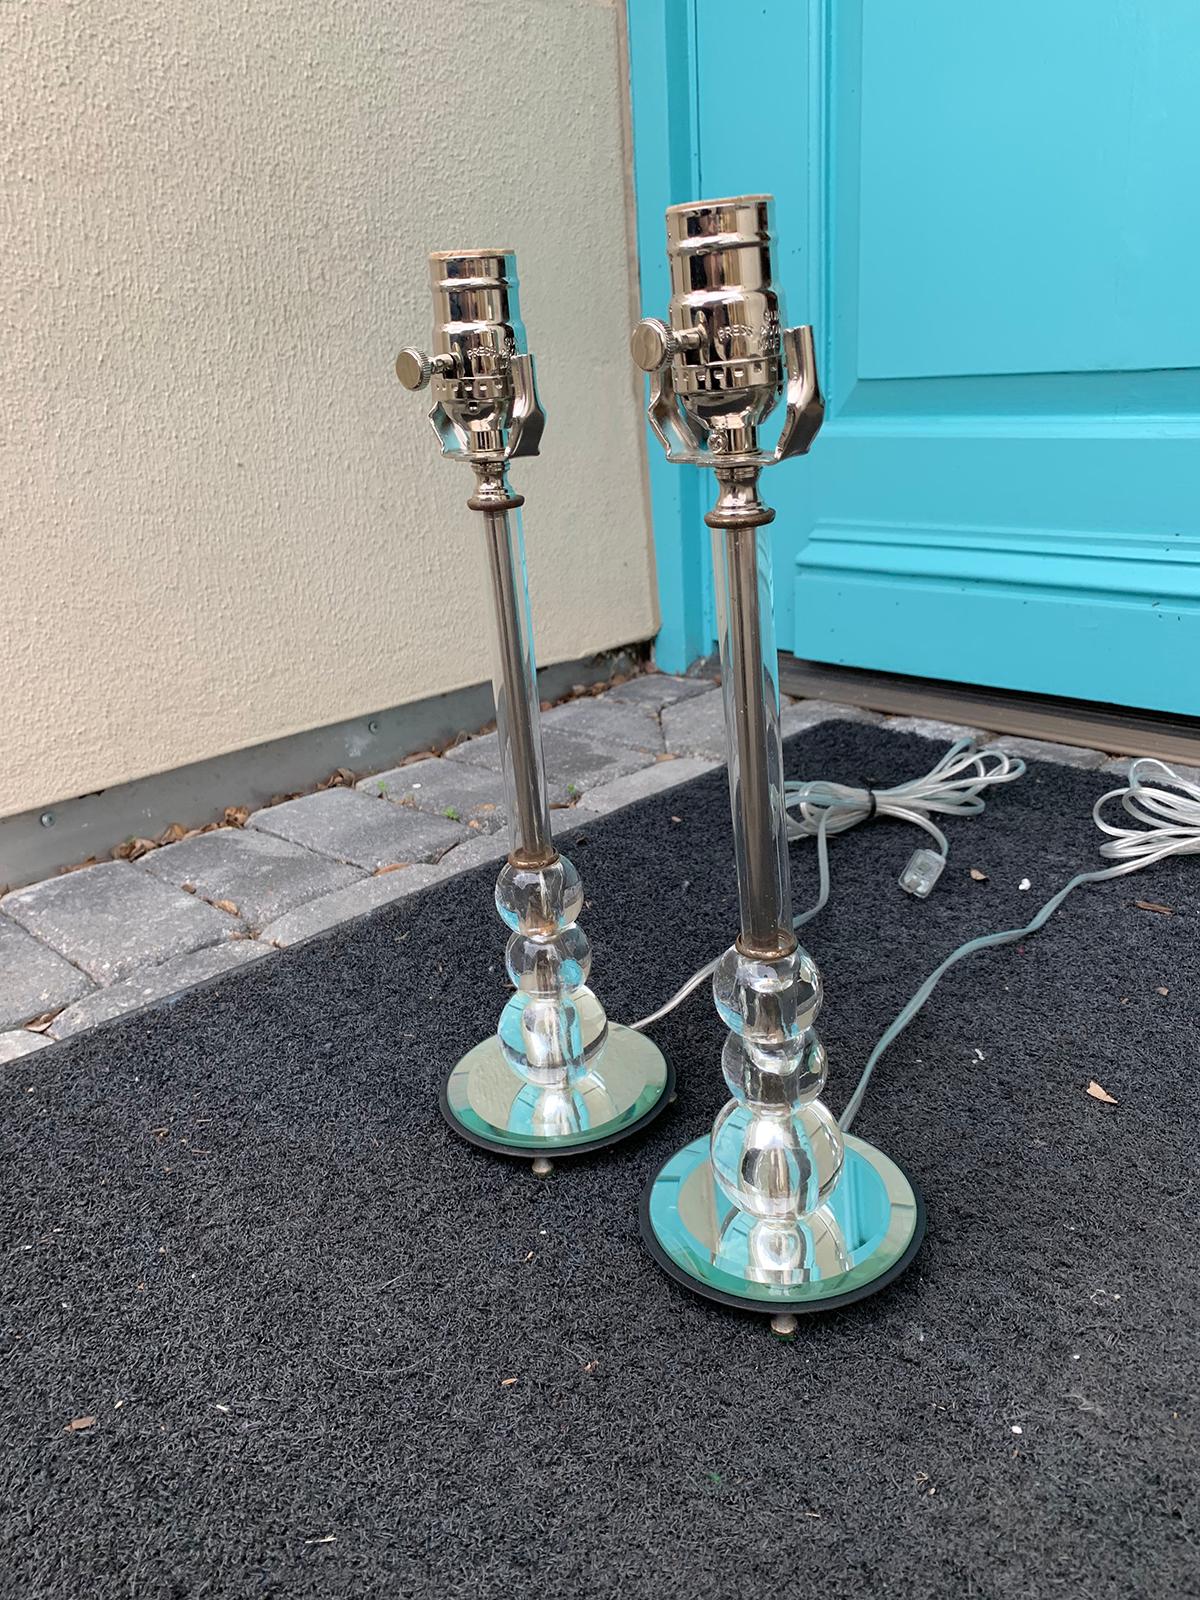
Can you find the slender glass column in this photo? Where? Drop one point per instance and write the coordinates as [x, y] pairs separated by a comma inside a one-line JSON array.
[[776, 1151], [750, 679], [514, 683], [553, 1027]]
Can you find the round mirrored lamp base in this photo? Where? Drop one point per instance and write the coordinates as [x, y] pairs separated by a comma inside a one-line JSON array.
[[857, 1243], [625, 1088]]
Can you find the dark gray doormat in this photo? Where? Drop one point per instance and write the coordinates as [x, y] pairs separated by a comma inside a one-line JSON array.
[[238, 1235]]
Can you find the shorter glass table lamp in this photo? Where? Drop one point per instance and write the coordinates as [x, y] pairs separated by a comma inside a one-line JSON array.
[[557, 1078]]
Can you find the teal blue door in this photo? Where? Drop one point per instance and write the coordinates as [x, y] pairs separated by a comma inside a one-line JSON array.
[[991, 214]]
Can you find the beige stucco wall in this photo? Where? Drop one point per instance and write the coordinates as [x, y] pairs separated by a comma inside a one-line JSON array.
[[223, 520]]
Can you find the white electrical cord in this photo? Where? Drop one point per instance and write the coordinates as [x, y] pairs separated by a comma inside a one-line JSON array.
[[1170, 826], [952, 788]]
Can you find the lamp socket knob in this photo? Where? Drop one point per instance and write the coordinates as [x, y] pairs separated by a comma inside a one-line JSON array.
[[414, 368], [653, 344]]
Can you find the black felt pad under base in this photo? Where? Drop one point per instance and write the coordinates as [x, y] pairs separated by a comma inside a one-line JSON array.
[[331, 1350]]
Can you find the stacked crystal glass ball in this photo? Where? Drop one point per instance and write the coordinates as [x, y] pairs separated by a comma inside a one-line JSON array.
[[553, 1026], [776, 1151]]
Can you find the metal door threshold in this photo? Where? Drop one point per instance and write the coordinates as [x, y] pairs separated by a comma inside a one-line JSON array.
[[1119, 730]]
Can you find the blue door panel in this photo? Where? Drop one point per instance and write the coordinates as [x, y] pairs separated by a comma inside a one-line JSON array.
[[991, 216]]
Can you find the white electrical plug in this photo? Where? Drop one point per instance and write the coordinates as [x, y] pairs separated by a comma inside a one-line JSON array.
[[922, 873]]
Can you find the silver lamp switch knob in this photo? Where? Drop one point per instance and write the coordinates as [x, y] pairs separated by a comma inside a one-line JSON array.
[[653, 343], [414, 368]]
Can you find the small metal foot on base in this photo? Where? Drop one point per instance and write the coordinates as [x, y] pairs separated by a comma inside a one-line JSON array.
[[856, 1243], [626, 1086], [541, 1167]]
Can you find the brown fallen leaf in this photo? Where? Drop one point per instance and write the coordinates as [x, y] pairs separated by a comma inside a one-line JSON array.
[[667, 755], [394, 866], [339, 778], [227, 905], [1097, 1093], [980, 877], [133, 849], [173, 834], [78, 1424], [40, 1024], [1162, 989], [1151, 905], [236, 816], [507, 1383]]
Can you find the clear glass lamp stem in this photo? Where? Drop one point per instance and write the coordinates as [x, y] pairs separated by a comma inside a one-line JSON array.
[[514, 680], [750, 675]]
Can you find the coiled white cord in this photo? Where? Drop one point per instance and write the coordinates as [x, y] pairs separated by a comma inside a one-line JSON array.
[[953, 788], [1170, 825], [1172, 821]]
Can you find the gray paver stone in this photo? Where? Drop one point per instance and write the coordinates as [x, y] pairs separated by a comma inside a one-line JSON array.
[[653, 780], [655, 690], [474, 795], [343, 905], [262, 876], [155, 983], [696, 727], [1066, 755], [576, 764], [347, 826], [927, 728], [112, 919], [630, 727], [489, 847], [33, 978], [20, 1043], [802, 714]]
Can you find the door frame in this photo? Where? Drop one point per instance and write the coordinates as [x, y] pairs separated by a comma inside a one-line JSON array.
[[664, 86]]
